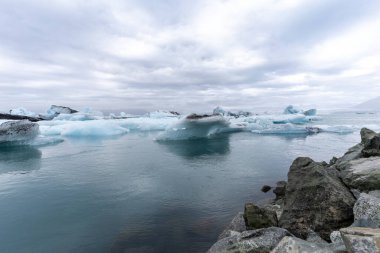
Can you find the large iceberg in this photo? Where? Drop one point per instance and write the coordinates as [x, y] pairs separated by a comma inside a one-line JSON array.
[[18, 131], [194, 127]]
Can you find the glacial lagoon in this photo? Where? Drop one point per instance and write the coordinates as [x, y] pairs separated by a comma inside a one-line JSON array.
[[133, 193]]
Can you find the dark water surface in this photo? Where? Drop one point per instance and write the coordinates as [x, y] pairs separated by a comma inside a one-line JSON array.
[[134, 194]]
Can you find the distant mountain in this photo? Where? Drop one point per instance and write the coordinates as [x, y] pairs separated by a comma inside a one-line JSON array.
[[370, 105]]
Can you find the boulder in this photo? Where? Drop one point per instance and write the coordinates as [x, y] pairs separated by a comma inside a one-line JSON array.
[[236, 226], [256, 217], [258, 241], [361, 240], [18, 130], [280, 189], [353, 153], [315, 199], [371, 142], [367, 211], [266, 188], [296, 245], [362, 174]]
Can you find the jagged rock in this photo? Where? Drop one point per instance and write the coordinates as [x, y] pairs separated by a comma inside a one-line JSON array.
[[280, 189], [296, 245], [371, 142], [274, 207], [375, 193], [315, 199], [362, 174], [258, 241], [353, 153], [367, 211], [315, 238], [266, 188], [336, 237], [256, 217], [361, 240], [236, 226], [18, 130]]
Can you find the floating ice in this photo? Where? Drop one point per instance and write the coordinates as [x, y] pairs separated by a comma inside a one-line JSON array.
[[94, 128], [18, 131], [287, 128], [291, 109], [162, 114], [22, 112], [311, 112], [220, 111], [195, 127]]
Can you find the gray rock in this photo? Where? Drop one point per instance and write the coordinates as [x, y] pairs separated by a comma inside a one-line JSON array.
[[315, 238], [257, 241], [362, 174], [315, 199], [18, 130], [353, 153], [256, 217], [296, 245], [277, 208], [375, 193], [336, 237], [236, 226], [367, 211], [266, 188], [371, 143], [361, 240], [280, 189]]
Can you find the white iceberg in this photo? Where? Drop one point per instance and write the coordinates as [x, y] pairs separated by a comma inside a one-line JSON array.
[[195, 127], [162, 114], [21, 111], [291, 109]]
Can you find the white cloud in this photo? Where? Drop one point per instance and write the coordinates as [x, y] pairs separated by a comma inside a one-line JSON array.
[[188, 55]]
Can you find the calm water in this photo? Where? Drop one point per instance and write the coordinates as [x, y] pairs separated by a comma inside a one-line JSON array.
[[133, 194]]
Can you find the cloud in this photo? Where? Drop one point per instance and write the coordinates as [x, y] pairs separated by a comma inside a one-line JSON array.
[[188, 55]]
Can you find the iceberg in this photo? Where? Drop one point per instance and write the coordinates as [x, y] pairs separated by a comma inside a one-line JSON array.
[[291, 109], [220, 111], [94, 128], [18, 131], [287, 128], [21, 111], [311, 112], [162, 114], [57, 109], [195, 126]]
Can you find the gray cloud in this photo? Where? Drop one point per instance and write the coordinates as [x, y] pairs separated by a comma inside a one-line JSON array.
[[188, 55]]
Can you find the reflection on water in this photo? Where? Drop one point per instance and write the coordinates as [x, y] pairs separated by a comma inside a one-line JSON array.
[[19, 158], [193, 148]]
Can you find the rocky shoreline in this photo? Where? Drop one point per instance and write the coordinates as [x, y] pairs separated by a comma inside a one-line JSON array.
[[323, 207]]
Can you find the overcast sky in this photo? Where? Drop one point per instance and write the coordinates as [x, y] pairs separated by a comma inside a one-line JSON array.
[[188, 55]]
